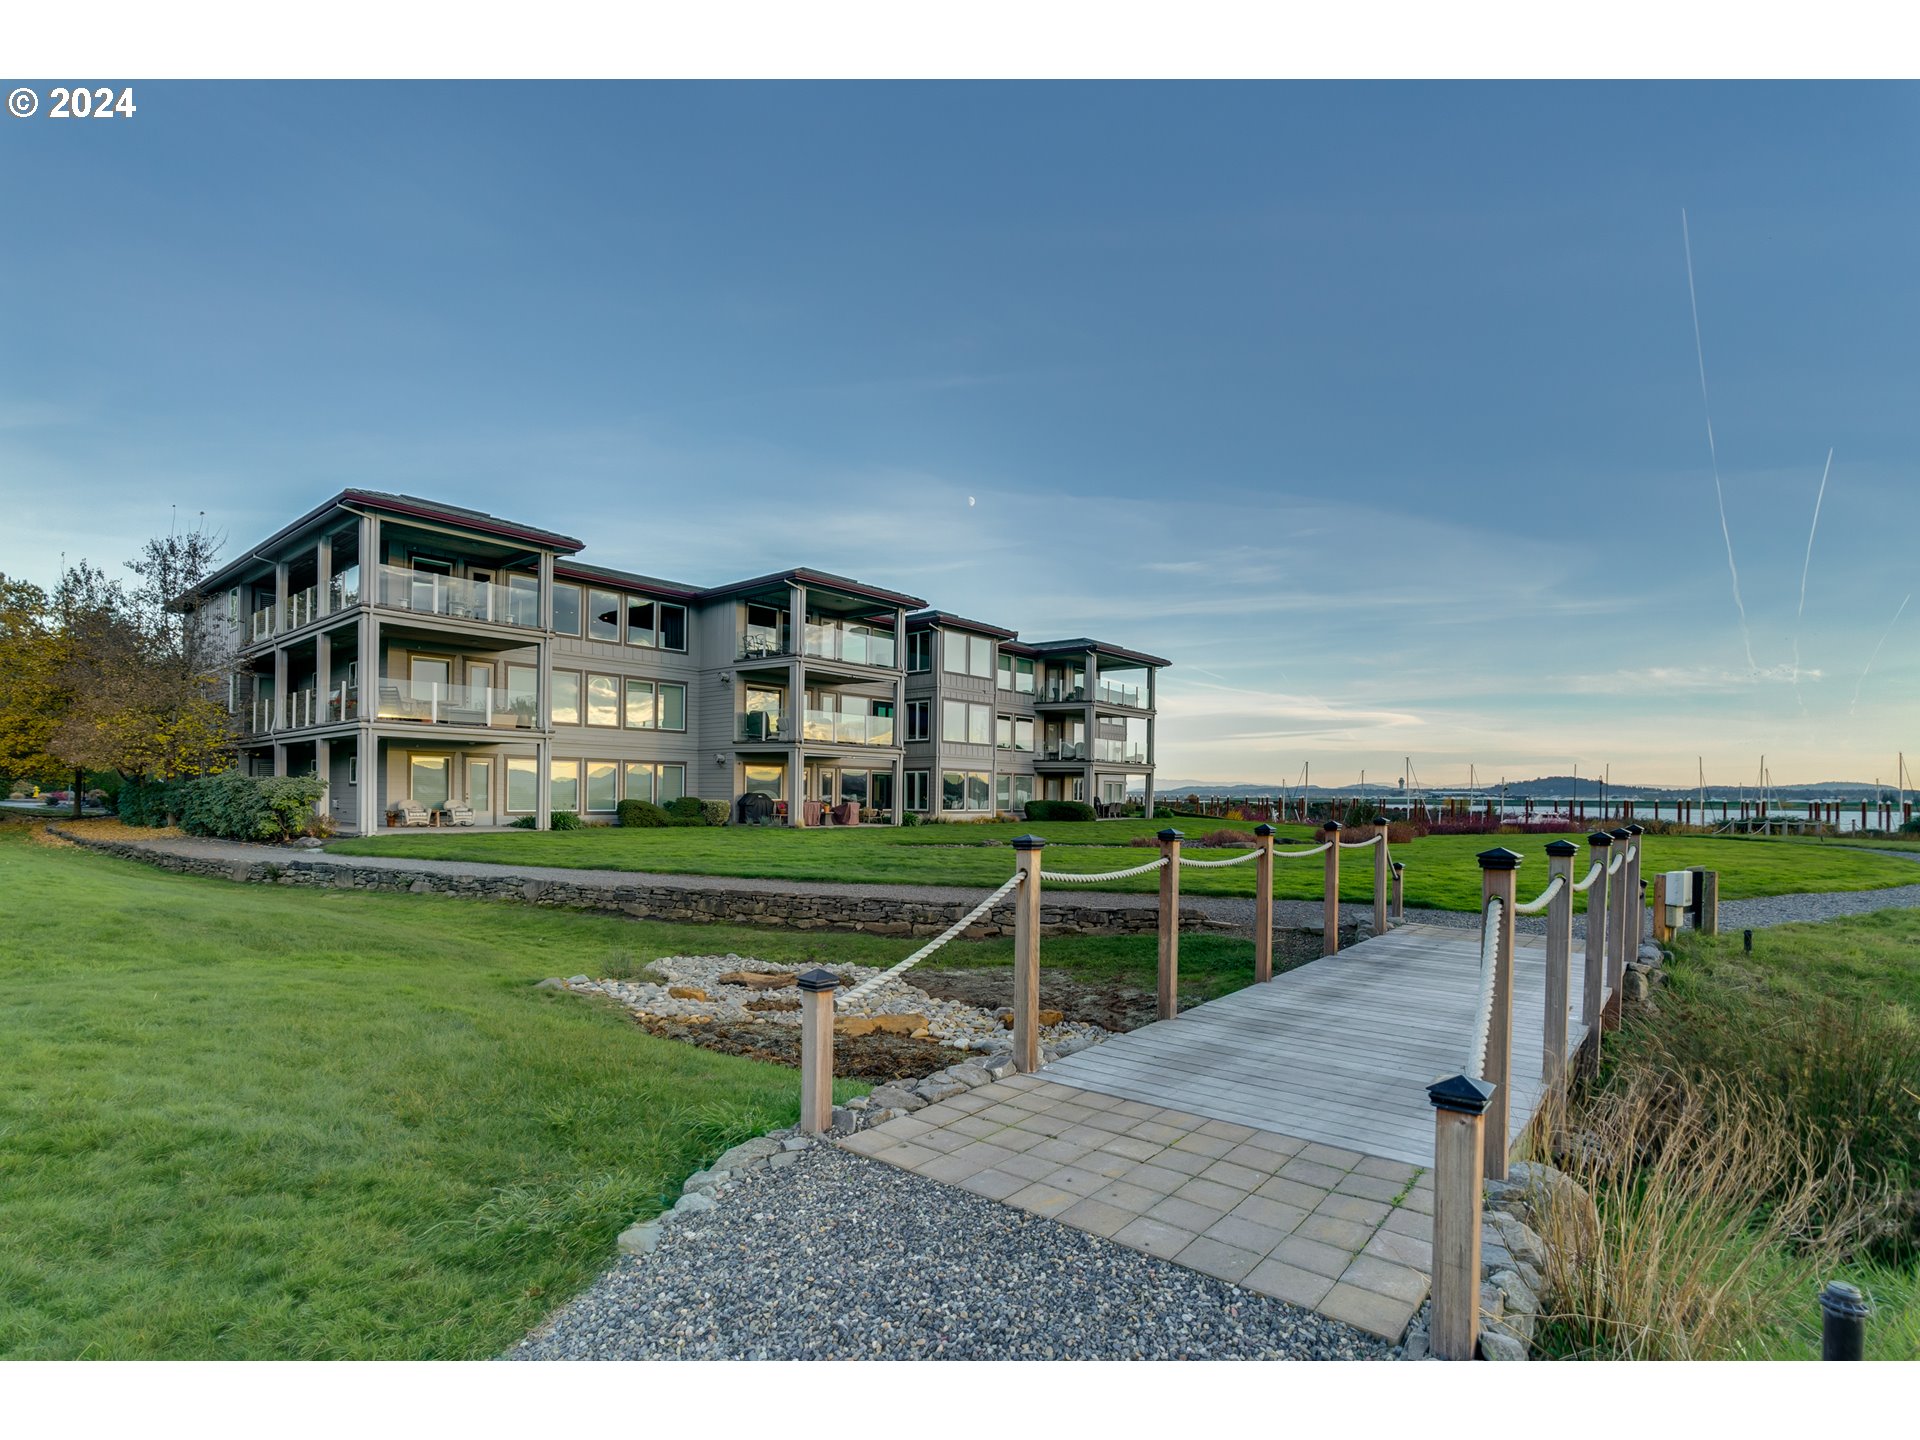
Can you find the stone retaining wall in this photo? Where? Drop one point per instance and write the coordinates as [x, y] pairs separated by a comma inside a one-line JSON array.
[[877, 915]]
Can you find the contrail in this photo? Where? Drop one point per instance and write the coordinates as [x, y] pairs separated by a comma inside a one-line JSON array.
[[1719, 495], [1876, 652], [1805, 566]]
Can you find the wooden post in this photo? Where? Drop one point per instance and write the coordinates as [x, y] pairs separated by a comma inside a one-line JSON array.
[[1381, 880], [1599, 844], [1263, 906], [1399, 891], [1026, 955], [1617, 908], [1709, 902], [1459, 1118], [1170, 924], [1657, 892], [1330, 908], [1553, 1049], [816, 1050], [1499, 875]]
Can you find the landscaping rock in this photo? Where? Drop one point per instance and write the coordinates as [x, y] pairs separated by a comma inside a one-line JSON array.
[[936, 1088], [796, 1142], [895, 1097], [641, 1239], [579, 980], [971, 1076], [758, 980], [693, 1203], [552, 983], [686, 992], [1496, 1346], [748, 1153]]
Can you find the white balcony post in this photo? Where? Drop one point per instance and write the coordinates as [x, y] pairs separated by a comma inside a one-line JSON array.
[[433, 701], [279, 691], [323, 581], [323, 767], [282, 573]]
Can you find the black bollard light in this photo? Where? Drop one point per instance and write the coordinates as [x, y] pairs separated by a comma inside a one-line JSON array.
[[1746, 941], [1843, 1322]]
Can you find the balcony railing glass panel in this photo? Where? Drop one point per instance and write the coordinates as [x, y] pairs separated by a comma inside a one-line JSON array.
[[438, 704], [426, 593], [760, 725], [857, 644]]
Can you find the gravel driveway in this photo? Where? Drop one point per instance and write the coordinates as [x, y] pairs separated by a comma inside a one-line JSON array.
[[840, 1257]]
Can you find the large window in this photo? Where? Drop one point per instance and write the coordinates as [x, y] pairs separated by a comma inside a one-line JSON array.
[[1016, 674], [565, 785], [603, 700], [1012, 792], [656, 706], [965, 790], [639, 781], [919, 716], [566, 697], [603, 615], [672, 783], [917, 789], [640, 705], [602, 779], [980, 656], [673, 626], [640, 629], [953, 653], [566, 609], [427, 780], [979, 725], [523, 785], [962, 722], [920, 650]]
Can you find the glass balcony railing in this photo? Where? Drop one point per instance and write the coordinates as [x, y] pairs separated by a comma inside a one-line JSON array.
[[424, 592], [302, 607], [1134, 695], [305, 708], [1056, 692], [759, 725], [857, 644], [764, 641], [835, 727], [1119, 752], [1063, 750], [343, 591], [261, 625], [436, 704]]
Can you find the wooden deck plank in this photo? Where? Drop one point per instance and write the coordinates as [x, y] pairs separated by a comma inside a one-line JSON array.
[[1340, 1050]]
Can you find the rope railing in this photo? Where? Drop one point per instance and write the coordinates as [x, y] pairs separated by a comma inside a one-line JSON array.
[[1542, 900], [1066, 877], [1367, 843], [1615, 865], [1633, 854], [1593, 874], [1483, 1010], [953, 931], [1220, 864], [1319, 849]]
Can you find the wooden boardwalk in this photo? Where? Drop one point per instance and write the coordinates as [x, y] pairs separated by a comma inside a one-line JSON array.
[[1339, 1051]]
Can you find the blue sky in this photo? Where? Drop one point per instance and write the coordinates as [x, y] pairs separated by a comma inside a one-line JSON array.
[[1374, 407]]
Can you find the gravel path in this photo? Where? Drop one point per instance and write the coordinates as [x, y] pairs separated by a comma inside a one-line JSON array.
[[841, 1257], [1227, 911]]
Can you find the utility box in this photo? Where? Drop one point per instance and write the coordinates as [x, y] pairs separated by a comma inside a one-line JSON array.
[[1677, 899]]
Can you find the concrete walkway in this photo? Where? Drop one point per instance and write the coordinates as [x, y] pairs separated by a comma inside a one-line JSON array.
[[1227, 913]]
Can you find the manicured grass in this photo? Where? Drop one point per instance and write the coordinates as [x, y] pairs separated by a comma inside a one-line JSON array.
[[1441, 872], [237, 1121]]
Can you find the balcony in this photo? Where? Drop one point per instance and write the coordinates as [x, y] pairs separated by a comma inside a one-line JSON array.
[[1055, 693], [261, 627], [422, 592], [437, 704], [1063, 750], [857, 644], [305, 708], [764, 642], [760, 726], [343, 590], [1119, 752], [833, 727], [302, 607], [1134, 695]]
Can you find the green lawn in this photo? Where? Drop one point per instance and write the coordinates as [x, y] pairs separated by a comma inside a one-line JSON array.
[[1441, 872], [237, 1121]]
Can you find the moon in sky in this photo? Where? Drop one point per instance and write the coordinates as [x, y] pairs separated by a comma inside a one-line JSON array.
[[969, 502]]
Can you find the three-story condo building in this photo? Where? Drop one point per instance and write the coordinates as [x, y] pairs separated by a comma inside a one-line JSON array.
[[409, 650]]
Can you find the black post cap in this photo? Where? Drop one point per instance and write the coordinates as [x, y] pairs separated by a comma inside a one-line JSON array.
[[1331, 825], [1499, 858], [1462, 1093], [1265, 830], [814, 981], [1636, 829], [1028, 842], [1621, 833], [1599, 839], [1399, 866], [1170, 835], [1560, 849]]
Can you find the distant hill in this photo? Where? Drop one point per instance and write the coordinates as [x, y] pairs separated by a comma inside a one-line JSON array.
[[1540, 787]]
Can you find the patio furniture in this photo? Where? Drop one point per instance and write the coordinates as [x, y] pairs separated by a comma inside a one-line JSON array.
[[847, 814], [455, 813], [404, 813]]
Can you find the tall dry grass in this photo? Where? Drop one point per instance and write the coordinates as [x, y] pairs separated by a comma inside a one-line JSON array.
[[1680, 1258]]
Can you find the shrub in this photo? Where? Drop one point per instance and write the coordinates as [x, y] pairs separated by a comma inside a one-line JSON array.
[[524, 822], [691, 810], [234, 806], [641, 814], [565, 820], [715, 811], [909, 819], [1062, 810]]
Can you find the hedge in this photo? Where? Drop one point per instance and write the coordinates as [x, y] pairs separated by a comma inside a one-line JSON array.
[[643, 814], [1059, 810]]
